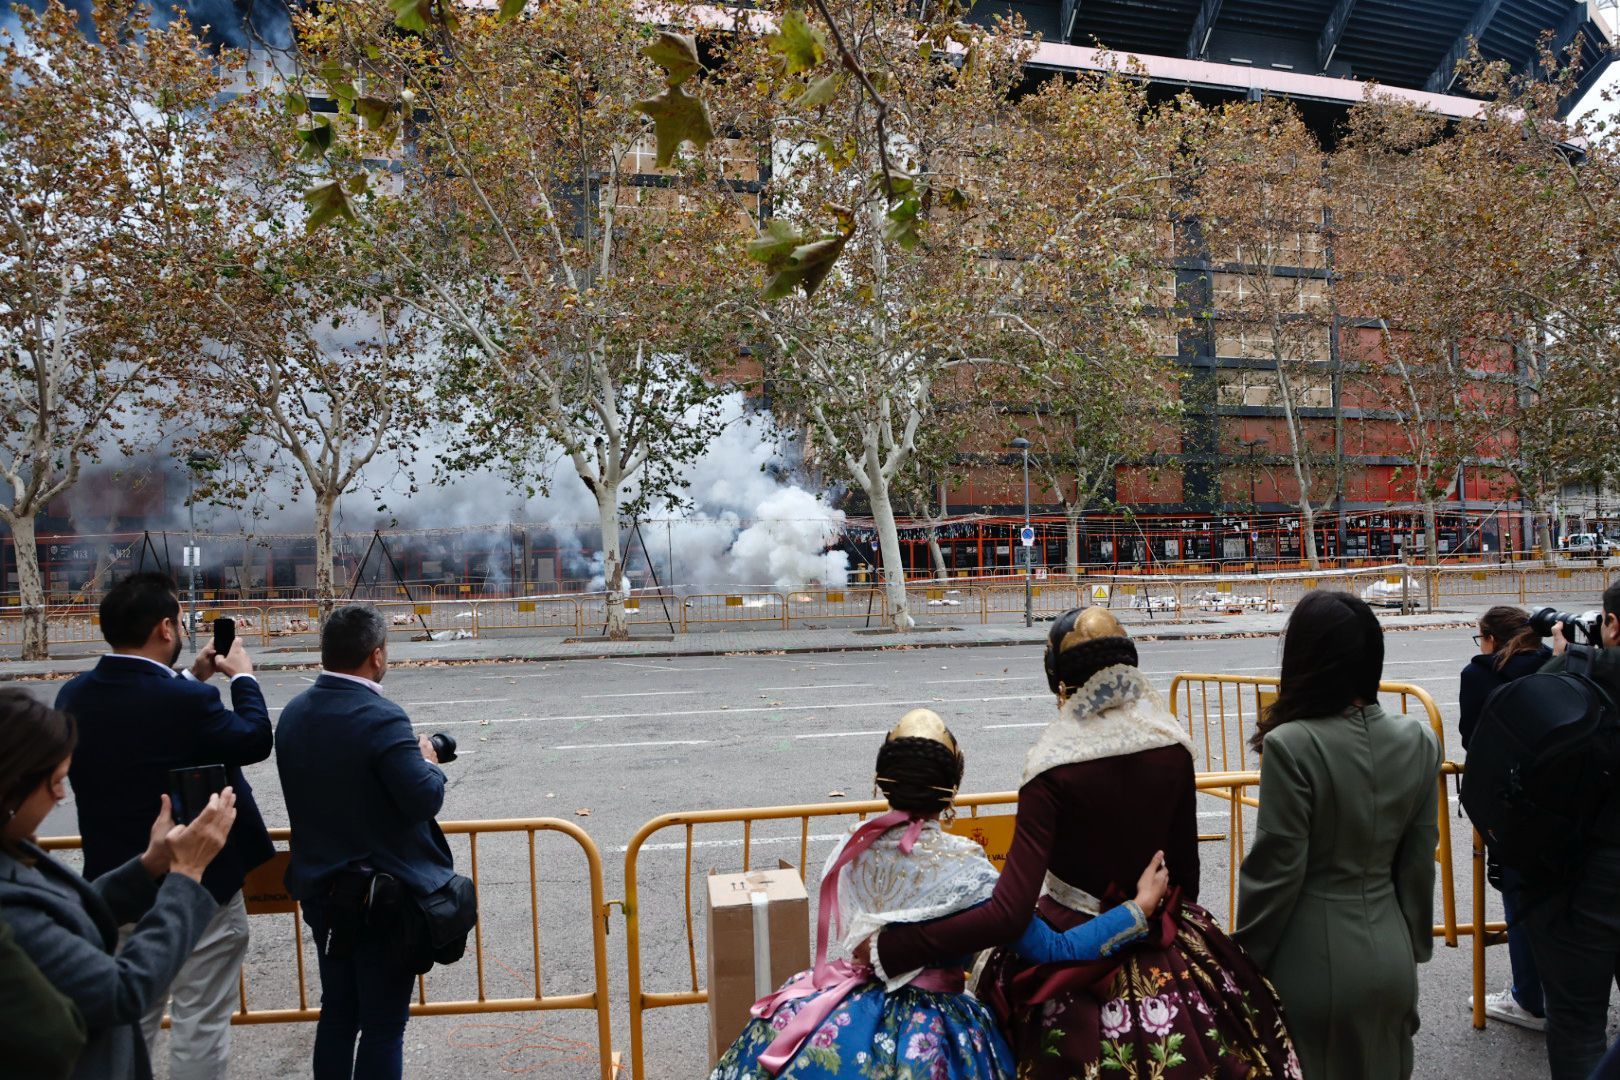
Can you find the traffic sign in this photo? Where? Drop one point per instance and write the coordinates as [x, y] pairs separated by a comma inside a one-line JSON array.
[[1027, 536], [1099, 594]]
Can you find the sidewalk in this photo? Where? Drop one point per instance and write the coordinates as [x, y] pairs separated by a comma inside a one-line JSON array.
[[76, 658]]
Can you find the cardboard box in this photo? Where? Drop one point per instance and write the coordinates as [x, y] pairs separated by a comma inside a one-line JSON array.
[[758, 938]]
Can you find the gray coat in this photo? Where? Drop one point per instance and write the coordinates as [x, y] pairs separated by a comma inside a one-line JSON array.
[[70, 928]]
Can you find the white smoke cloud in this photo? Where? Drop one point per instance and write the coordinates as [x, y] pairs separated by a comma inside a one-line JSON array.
[[786, 545]]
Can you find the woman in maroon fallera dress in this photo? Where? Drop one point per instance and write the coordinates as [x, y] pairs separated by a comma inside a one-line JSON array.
[[1108, 783]]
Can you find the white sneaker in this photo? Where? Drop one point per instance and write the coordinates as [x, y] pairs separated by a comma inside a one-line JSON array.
[[1502, 1006]]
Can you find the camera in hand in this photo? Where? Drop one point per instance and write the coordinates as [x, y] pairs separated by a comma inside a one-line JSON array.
[[444, 746], [1587, 627]]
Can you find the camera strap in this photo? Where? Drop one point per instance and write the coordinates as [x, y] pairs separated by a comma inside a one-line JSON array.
[[1580, 659]]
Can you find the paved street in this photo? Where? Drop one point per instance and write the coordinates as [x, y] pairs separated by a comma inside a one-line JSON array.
[[628, 739]]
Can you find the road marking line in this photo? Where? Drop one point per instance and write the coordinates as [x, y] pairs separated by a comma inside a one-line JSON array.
[[522, 675], [1000, 727], [646, 693], [717, 712], [823, 686], [452, 701], [622, 745], [837, 734], [663, 667], [815, 663]]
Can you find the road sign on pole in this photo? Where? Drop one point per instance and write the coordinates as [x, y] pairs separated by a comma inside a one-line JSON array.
[[1027, 536]]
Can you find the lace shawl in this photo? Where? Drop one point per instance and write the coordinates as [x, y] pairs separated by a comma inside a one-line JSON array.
[[1113, 714], [944, 874]]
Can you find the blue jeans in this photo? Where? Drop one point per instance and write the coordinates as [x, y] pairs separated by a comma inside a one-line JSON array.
[[366, 994], [1526, 979]]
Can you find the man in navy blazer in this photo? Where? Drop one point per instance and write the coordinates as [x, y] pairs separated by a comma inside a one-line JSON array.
[[138, 718], [362, 790]]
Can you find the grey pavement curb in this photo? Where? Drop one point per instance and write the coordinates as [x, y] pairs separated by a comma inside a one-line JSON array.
[[835, 641]]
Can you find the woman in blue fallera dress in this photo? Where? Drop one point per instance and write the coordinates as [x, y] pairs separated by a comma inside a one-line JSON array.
[[849, 1020]]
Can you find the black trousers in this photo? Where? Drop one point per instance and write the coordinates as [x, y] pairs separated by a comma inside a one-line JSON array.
[[1575, 935]]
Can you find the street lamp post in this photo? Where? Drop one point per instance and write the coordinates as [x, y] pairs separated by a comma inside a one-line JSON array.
[[1021, 444], [1252, 448], [195, 462]]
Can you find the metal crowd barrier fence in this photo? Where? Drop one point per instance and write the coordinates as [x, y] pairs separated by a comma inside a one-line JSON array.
[[732, 608], [544, 613], [267, 901], [867, 606], [1224, 785]]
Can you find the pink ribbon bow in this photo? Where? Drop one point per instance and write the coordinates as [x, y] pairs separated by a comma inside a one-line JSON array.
[[835, 981]]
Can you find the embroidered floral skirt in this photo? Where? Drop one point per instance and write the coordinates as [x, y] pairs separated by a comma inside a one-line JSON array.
[[905, 1035], [1186, 1004]]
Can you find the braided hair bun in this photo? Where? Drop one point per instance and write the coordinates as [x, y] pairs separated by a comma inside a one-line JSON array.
[[919, 775], [1081, 643]]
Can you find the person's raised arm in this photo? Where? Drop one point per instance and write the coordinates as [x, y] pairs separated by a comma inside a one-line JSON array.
[[408, 772], [243, 736], [1274, 870], [903, 947], [109, 990]]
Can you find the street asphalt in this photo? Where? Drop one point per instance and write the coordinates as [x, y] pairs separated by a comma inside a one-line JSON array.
[[610, 743]]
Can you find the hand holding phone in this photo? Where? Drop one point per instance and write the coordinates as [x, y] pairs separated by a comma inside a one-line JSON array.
[[190, 789], [224, 636]]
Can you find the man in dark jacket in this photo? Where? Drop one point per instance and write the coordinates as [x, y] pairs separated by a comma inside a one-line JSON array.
[[1575, 932], [139, 718], [362, 790]]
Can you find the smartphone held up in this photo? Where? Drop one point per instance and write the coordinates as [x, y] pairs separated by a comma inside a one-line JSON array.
[[190, 789]]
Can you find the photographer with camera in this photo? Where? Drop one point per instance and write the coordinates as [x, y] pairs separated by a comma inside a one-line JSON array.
[[1541, 787], [1510, 648], [369, 864]]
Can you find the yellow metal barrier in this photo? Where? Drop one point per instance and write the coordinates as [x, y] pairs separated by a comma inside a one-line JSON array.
[[946, 602], [738, 607], [532, 613], [866, 606], [446, 619], [270, 903], [1224, 785]]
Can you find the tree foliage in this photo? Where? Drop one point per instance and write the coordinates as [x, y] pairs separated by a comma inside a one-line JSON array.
[[108, 233]]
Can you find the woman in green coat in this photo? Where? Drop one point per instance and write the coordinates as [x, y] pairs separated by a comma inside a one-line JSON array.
[[1336, 897]]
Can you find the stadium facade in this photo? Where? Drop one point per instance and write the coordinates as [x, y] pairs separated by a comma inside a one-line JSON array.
[[1222, 497]]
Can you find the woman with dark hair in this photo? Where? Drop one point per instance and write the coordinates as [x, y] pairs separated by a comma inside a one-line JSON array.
[[1508, 650], [1108, 783], [841, 1020], [1336, 896], [68, 926]]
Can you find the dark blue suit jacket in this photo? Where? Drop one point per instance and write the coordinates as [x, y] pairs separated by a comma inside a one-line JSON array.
[[135, 724], [358, 790]]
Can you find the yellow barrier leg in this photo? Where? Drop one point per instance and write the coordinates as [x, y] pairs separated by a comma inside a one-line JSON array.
[[1479, 933]]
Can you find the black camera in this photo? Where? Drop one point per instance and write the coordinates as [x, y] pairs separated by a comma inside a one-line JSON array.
[[445, 745], [1587, 627]]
